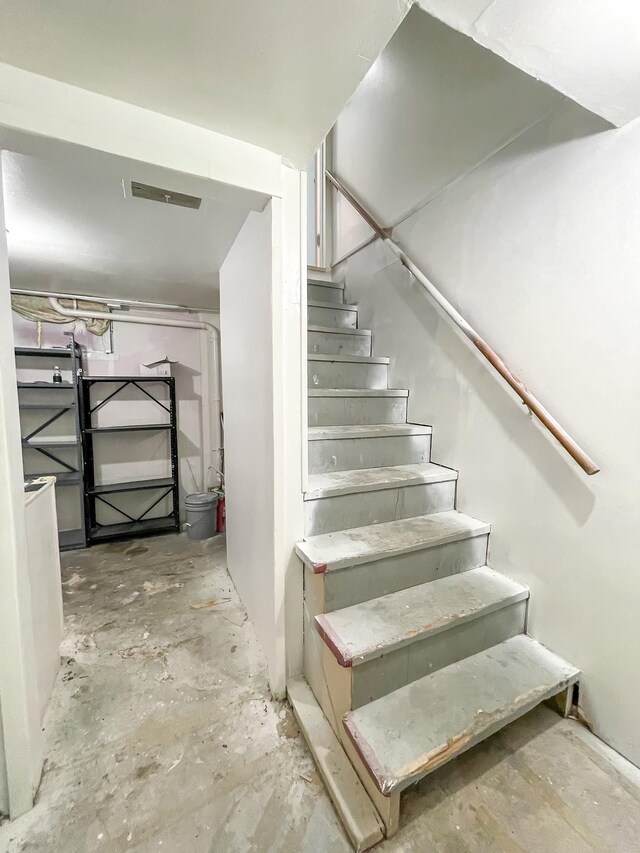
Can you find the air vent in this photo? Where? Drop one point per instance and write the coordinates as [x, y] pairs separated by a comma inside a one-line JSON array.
[[164, 196]]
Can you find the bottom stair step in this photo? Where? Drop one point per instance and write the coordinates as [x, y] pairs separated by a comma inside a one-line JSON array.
[[409, 733]]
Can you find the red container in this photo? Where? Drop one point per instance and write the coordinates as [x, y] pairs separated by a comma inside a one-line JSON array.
[[222, 514]]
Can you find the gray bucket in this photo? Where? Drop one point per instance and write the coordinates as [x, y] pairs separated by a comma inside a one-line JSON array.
[[202, 515]]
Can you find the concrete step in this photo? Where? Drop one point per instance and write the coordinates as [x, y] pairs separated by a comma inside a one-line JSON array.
[[357, 565], [324, 339], [355, 446], [338, 285], [374, 628], [333, 551], [391, 641], [347, 371], [353, 406], [336, 501], [325, 291], [331, 314], [409, 733]]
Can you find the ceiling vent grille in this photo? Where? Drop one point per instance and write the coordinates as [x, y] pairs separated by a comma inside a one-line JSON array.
[[164, 196]]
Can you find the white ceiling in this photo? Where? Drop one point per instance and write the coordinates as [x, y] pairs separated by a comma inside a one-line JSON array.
[[70, 228], [272, 73], [587, 49]]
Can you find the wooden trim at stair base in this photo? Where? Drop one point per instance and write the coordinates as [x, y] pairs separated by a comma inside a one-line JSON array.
[[354, 807], [332, 686]]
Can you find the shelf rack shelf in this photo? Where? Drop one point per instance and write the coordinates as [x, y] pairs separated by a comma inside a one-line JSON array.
[[139, 523], [63, 386], [131, 428], [51, 448]]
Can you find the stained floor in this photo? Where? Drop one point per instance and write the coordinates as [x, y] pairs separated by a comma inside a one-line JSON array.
[[161, 736]]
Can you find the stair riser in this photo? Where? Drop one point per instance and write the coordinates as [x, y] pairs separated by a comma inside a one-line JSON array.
[[337, 344], [319, 293], [360, 583], [345, 454], [344, 374], [358, 509], [376, 678], [341, 411], [336, 318]]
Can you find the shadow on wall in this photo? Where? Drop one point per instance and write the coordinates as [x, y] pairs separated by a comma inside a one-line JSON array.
[[560, 473], [185, 381]]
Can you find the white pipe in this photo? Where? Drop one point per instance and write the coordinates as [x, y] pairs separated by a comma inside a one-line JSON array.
[[110, 300], [213, 337]]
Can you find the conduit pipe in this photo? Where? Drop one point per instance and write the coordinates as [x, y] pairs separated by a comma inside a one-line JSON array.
[[136, 303], [213, 428]]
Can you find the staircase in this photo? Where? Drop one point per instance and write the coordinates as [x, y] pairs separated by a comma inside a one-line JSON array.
[[415, 649]]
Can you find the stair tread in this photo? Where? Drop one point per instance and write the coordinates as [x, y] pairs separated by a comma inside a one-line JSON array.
[[339, 306], [358, 392], [409, 733], [332, 551], [332, 330], [373, 479], [366, 631], [318, 282], [356, 359], [367, 431]]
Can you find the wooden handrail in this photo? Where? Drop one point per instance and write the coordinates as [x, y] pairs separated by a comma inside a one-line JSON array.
[[561, 435]]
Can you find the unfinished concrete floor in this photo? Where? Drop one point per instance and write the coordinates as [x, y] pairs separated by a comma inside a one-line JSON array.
[[161, 736]]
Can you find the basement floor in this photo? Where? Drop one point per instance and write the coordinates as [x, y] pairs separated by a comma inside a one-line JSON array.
[[161, 736]]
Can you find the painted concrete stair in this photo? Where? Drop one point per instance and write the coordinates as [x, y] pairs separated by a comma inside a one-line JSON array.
[[347, 371], [353, 446], [387, 642], [406, 735], [351, 566], [328, 340], [325, 291], [378, 542], [333, 314], [334, 501], [357, 406], [414, 648]]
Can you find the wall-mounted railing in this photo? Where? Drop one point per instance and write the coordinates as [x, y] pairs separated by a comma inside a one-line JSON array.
[[561, 435]]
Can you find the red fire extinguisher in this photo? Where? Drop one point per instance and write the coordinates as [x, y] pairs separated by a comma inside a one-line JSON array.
[[222, 513]]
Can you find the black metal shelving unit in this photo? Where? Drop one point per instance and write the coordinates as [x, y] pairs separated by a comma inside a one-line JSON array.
[[94, 493], [61, 398]]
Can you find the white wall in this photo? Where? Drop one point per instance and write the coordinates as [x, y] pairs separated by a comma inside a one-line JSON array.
[[537, 246], [262, 387], [46, 588], [311, 213], [411, 147], [22, 752], [247, 350], [4, 788], [587, 49]]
